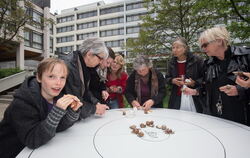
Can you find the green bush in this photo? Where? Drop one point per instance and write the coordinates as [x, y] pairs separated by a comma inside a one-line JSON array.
[[8, 72]]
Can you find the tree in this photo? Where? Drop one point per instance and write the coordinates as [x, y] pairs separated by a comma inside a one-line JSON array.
[[168, 19], [13, 17], [237, 18]]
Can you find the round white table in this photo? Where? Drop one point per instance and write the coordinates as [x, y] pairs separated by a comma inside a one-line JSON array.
[[109, 136]]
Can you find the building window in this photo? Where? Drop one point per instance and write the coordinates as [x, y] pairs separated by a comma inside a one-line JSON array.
[[86, 25], [135, 17], [131, 30], [135, 6], [33, 39], [112, 21], [114, 32], [118, 43], [51, 45], [65, 39], [27, 38], [64, 49], [65, 19], [65, 29], [86, 35], [87, 14], [51, 28], [37, 40], [112, 10]]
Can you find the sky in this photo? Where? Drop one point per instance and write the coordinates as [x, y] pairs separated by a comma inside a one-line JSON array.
[[58, 5]]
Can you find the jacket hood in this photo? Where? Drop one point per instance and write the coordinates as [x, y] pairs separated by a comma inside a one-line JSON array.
[[29, 91]]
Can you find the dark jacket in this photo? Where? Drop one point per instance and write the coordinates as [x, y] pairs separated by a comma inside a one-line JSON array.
[[27, 121], [78, 82], [96, 86], [131, 94], [234, 107], [193, 70]]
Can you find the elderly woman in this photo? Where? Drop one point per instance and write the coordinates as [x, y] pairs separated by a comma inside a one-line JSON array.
[[116, 83], [224, 98], [145, 86], [92, 52], [183, 65]]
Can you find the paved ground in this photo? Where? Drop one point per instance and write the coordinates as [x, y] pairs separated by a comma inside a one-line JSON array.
[[2, 109]]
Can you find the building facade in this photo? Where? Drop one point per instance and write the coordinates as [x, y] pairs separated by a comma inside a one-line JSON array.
[[37, 42], [114, 23]]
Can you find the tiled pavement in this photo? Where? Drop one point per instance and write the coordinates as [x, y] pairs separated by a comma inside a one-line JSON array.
[[2, 109]]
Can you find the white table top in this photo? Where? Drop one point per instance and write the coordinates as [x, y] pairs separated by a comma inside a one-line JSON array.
[[109, 136]]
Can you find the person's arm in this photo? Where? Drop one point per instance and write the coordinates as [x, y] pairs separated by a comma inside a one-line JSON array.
[[32, 129]]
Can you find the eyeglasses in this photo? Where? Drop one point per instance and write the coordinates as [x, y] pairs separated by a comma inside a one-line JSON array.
[[204, 45], [100, 58]]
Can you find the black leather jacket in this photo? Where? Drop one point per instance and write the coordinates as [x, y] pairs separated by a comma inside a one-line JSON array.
[[238, 60]]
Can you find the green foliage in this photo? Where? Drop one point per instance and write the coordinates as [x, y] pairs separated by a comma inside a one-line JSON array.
[[237, 18], [168, 19], [8, 72]]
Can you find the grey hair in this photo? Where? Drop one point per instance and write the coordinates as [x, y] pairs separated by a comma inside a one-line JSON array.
[[142, 60], [95, 46]]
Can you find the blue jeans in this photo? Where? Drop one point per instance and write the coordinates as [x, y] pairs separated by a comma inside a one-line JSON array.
[[113, 104]]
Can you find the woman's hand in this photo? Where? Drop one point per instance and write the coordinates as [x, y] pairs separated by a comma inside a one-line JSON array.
[[191, 83], [244, 83], [178, 81], [136, 104], [230, 90], [105, 95], [148, 104], [190, 91], [101, 109]]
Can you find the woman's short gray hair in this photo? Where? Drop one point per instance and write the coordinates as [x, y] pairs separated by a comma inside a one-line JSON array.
[[95, 46], [142, 60]]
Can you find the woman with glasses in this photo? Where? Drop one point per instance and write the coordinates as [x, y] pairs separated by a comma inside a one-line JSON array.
[[183, 65], [92, 51], [224, 98]]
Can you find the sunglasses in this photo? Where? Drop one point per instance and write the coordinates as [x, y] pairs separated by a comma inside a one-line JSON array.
[[204, 45]]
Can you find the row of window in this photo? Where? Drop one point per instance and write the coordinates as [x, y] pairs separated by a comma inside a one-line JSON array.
[[65, 39], [65, 19], [113, 32], [87, 14], [103, 22], [87, 25], [112, 21], [65, 29], [102, 12], [64, 49], [33, 39], [86, 35], [117, 43], [106, 33]]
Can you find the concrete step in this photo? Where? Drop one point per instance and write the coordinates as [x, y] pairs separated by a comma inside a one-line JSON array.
[[5, 100], [11, 93], [6, 96]]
